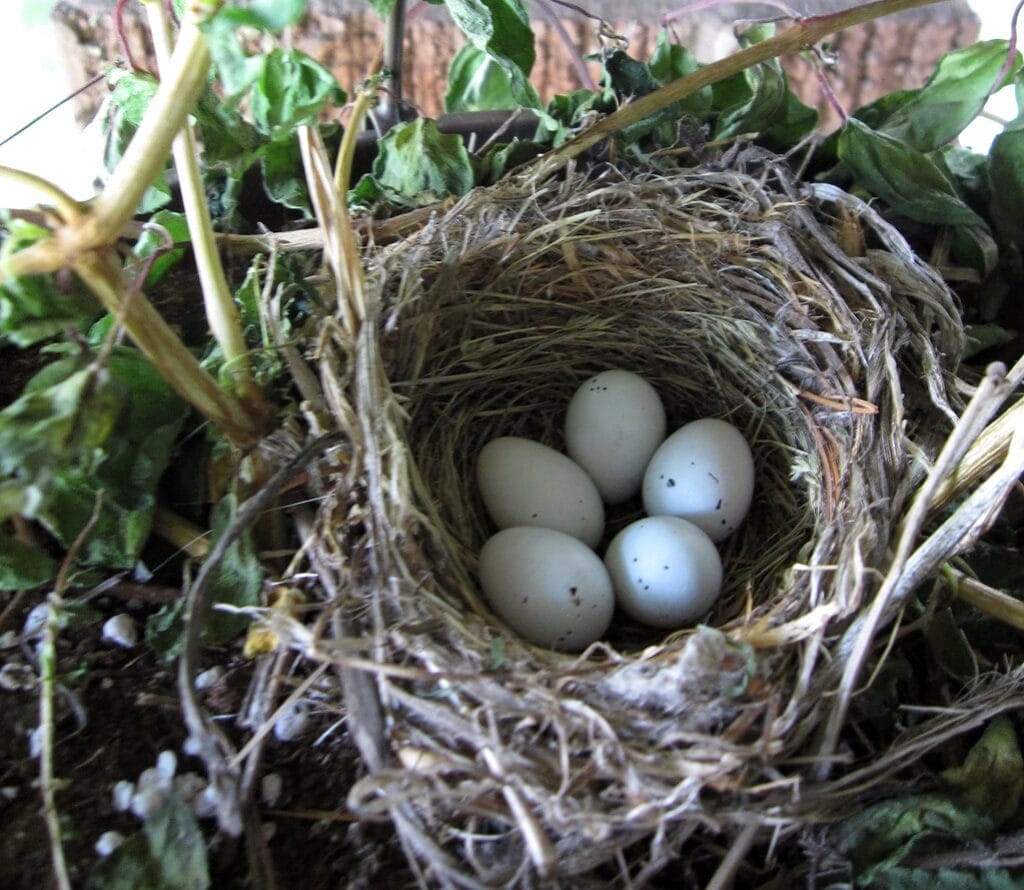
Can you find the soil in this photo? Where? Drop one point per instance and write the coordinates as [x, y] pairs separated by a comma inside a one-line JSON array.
[[117, 710]]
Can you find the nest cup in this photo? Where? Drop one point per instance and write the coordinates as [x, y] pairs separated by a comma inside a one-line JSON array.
[[794, 312]]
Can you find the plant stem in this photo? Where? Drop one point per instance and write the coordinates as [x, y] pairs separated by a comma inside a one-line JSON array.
[[68, 207], [221, 311], [805, 33], [48, 683], [241, 423], [986, 599]]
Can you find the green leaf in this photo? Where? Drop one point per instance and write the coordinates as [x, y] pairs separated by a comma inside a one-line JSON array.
[[383, 8], [947, 879], [953, 96], [476, 82], [1006, 168], [36, 307], [168, 854], [907, 180], [981, 337], [290, 90], [669, 62], [502, 29], [991, 778], [283, 180], [749, 102], [417, 165], [78, 430], [153, 241], [132, 94], [23, 565], [986, 791], [266, 15], [120, 116]]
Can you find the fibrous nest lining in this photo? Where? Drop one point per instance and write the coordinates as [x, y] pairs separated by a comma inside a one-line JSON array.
[[736, 294]]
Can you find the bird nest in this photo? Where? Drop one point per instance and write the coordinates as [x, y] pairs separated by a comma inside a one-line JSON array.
[[793, 311]]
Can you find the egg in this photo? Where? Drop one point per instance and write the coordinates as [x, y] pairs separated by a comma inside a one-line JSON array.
[[525, 483], [703, 472], [614, 423], [665, 571], [547, 586]]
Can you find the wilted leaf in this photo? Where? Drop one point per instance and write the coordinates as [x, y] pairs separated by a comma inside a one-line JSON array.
[[986, 792], [290, 90], [417, 165], [992, 776], [476, 82], [952, 98], [502, 29], [907, 180]]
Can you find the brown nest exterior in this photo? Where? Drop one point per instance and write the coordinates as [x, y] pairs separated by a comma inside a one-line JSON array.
[[796, 313]]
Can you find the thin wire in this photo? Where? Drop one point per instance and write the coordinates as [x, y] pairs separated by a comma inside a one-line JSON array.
[[53, 108]]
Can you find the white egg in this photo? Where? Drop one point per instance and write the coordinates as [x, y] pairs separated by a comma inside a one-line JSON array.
[[547, 586], [666, 572], [614, 423], [703, 472], [525, 483]]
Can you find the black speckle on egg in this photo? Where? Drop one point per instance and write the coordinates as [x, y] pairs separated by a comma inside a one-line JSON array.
[[534, 515], [636, 559], [647, 587], [671, 483], [573, 590], [713, 476], [723, 522], [526, 599], [718, 506], [665, 568]]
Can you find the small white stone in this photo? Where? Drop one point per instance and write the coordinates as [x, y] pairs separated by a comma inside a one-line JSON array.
[[35, 742], [208, 678], [9, 792], [121, 795], [191, 746], [146, 801], [167, 764], [121, 630], [204, 806], [271, 786], [34, 621], [292, 722], [154, 779], [108, 842]]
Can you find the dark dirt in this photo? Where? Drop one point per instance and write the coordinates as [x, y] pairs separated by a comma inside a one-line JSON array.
[[126, 711]]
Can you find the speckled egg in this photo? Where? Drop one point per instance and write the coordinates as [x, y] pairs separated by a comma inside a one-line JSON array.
[[614, 423], [665, 571], [547, 586], [525, 483], [703, 472]]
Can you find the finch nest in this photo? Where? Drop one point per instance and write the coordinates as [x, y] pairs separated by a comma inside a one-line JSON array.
[[793, 311]]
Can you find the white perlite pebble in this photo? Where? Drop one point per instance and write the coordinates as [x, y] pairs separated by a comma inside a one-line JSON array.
[[271, 786], [121, 631], [204, 805], [167, 764], [121, 795], [34, 622], [208, 678], [293, 722], [108, 842]]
